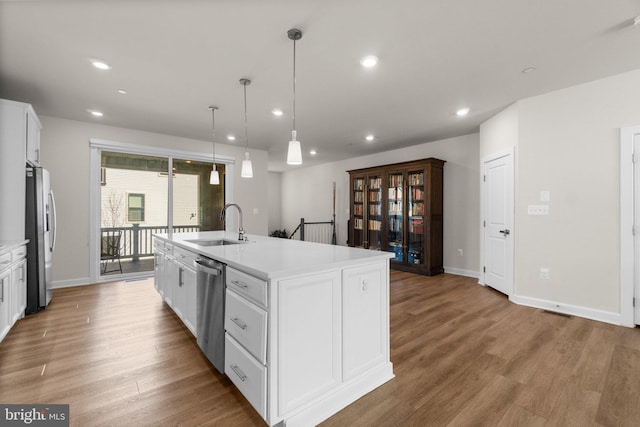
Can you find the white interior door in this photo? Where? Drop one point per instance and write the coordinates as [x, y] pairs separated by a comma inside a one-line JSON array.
[[636, 224], [498, 223]]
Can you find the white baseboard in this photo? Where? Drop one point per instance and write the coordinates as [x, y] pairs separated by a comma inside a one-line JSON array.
[[82, 281], [574, 310], [342, 397], [462, 272]]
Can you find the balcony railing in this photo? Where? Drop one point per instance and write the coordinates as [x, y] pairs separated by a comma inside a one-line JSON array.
[[318, 232], [137, 241]]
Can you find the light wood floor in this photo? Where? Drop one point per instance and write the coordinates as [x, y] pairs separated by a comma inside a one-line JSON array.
[[462, 355]]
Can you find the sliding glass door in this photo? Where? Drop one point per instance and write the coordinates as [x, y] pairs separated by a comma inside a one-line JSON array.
[[139, 198], [196, 203]]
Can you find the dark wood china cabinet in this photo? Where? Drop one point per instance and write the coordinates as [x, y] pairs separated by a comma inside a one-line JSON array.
[[398, 208]]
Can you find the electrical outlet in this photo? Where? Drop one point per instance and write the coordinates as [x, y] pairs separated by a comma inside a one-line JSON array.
[[460, 252], [545, 273]]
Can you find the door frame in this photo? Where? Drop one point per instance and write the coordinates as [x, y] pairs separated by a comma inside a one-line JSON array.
[[483, 210], [96, 147], [627, 259]]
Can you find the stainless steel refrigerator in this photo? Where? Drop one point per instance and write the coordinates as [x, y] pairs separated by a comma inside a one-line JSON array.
[[40, 229]]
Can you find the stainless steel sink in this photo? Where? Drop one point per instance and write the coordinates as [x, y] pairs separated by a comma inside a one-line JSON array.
[[213, 242]]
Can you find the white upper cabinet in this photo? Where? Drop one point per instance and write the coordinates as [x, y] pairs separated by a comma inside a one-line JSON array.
[[33, 127], [19, 133]]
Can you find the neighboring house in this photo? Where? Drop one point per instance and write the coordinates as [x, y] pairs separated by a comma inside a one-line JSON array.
[[140, 197]]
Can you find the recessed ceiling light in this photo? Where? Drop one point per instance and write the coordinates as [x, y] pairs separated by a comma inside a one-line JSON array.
[[96, 113], [462, 112], [122, 91], [100, 65], [231, 137], [528, 70], [369, 138], [277, 112], [313, 152], [369, 61]]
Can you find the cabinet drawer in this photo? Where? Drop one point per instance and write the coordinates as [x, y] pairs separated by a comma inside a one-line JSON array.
[[5, 260], [247, 323], [184, 256], [247, 285], [162, 246], [18, 253], [247, 374]]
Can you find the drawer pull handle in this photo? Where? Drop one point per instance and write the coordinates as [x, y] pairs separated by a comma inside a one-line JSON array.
[[239, 322], [240, 284], [239, 373]]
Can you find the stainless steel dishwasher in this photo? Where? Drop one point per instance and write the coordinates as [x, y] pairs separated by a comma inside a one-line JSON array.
[[210, 310]]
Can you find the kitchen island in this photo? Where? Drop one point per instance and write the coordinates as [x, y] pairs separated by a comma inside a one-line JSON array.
[[306, 325]]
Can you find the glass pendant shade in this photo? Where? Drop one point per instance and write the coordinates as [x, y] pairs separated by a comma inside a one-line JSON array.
[[247, 168], [294, 154], [214, 178]]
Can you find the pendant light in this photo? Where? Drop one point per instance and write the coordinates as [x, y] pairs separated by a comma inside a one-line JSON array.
[[214, 178], [247, 168], [294, 154]]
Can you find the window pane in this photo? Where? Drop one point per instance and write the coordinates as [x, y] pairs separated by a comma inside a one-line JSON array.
[[196, 203], [134, 199]]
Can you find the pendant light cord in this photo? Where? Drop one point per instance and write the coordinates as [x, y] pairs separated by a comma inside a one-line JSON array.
[[294, 84], [246, 128], [213, 133]]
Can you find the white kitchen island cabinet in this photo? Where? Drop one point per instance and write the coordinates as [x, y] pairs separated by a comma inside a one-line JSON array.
[[175, 281], [306, 324]]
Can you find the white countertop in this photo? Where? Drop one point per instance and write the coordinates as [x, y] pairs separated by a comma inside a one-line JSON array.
[[271, 257], [9, 245]]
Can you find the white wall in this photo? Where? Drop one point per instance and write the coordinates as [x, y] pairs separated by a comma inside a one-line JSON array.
[[65, 152], [307, 193], [568, 144], [275, 201]]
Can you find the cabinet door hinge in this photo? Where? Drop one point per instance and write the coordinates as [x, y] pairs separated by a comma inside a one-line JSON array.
[[484, 269], [634, 301], [484, 223], [634, 158], [484, 178]]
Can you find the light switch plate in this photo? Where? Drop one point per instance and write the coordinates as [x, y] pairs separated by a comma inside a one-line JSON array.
[[545, 196], [538, 209], [545, 273]]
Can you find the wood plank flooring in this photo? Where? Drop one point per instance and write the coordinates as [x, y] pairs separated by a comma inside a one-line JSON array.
[[462, 354]]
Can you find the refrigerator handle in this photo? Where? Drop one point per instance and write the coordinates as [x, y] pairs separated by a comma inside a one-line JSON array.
[[54, 231]]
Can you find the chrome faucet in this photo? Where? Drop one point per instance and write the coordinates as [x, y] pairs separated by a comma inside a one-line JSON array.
[[222, 215]]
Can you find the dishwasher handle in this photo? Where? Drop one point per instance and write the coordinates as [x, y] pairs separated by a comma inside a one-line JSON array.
[[198, 263]]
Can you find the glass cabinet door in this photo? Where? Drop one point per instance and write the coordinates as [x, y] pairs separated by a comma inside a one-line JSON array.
[[374, 222], [358, 212], [415, 217], [395, 210]]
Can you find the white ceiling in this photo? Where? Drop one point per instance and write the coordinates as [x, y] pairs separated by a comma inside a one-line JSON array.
[[175, 58]]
